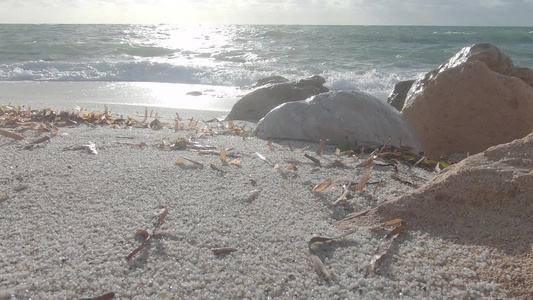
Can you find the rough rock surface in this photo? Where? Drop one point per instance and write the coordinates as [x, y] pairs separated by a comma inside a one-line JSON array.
[[339, 117], [399, 93], [470, 103], [255, 105], [485, 200], [271, 80]]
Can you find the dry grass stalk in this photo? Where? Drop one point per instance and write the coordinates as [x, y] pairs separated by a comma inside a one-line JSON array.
[[364, 180]]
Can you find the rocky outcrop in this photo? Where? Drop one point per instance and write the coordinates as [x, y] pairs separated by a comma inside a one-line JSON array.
[[471, 102], [399, 93], [339, 117], [271, 80], [255, 105], [485, 199]]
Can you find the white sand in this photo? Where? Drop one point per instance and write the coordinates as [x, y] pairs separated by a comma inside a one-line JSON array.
[[71, 218]]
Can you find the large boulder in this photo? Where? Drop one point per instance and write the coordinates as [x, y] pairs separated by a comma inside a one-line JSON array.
[[485, 199], [471, 102], [483, 202], [255, 105], [338, 117], [399, 93]]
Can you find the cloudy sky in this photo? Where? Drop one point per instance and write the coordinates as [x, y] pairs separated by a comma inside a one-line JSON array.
[[356, 12]]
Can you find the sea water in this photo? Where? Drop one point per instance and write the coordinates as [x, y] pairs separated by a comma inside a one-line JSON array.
[[223, 61]]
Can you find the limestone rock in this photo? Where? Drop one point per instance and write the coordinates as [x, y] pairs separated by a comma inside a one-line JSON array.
[[398, 94], [489, 54], [470, 103], [255, 105], [485, 199], [339, 117], [525, 74]]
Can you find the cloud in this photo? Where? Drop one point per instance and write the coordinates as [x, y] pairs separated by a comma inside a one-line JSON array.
[[386, 12]]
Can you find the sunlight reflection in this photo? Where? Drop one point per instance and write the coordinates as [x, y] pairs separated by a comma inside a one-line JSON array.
[[185, 96]]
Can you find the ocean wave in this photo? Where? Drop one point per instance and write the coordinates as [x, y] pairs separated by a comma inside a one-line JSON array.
[[370, 80], [100, 71]]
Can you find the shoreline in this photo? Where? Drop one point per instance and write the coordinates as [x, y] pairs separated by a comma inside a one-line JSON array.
[[124, 97], [72, 218]]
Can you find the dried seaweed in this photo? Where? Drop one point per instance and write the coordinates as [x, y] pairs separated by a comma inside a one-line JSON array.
[[89, 147], [41, 140], [316, 161], [223, 156], [319, 188], [11, 135], [181, 162], [393, 229], [261, 156], [223, 250], [344, 197], [317, 262], [106, 296], [320, 150], [369, 160], [364, 179], [404, 181], [3, 197], [213, 167], [251, 196], [335, 164], [269, 144], [236, 162], [146, 236]]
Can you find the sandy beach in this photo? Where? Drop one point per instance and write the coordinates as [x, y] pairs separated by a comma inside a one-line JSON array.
[[71, 218]]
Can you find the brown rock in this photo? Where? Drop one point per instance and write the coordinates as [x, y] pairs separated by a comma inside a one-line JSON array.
[[470, 103], [485, 201], [525, 74]]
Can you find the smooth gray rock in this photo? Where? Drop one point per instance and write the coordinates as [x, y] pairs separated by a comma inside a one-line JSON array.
[[339, 117], [255, 105]]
